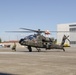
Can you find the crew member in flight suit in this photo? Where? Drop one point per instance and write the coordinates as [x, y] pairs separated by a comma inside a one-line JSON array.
[[14, 47]]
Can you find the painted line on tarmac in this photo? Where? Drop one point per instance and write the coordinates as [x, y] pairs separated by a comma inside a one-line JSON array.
[[12, 53]]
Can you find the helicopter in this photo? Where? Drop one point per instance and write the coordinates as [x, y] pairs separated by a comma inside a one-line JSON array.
[[39, 41]]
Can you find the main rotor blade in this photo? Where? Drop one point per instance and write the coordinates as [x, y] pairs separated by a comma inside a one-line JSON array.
[[41, 31], [28, 29], [44, 31], [37, 31], [63, 31], [19, 31]]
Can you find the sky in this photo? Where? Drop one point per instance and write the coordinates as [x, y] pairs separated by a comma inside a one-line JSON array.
[[34, 14]]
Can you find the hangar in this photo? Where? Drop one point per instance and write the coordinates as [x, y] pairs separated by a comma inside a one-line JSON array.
[[69, 29]]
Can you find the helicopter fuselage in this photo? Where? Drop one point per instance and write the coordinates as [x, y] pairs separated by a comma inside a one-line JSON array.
[[39, 41]]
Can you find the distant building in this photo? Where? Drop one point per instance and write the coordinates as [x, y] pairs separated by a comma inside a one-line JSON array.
[[69, 29], [10, 43]]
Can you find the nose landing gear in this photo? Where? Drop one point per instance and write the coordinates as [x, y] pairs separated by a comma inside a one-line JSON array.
[[29, 48]]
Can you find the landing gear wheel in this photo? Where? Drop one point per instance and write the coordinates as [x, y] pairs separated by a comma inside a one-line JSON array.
[[29, 48]]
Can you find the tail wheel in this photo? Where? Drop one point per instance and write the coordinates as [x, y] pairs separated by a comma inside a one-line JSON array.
[[63, 49], [29, 48]]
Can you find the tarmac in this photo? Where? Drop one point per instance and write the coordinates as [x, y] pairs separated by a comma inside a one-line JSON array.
[[46, 62]]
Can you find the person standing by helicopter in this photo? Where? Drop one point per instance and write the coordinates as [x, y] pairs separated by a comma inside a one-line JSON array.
[[14, 47]]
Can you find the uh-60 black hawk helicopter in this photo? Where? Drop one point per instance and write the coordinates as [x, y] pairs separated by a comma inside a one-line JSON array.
[[39, 41]]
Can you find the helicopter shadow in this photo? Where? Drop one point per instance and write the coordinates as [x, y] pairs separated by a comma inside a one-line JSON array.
[[44, 51]]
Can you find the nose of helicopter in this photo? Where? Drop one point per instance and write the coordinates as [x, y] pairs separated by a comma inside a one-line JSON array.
[[21, 41]]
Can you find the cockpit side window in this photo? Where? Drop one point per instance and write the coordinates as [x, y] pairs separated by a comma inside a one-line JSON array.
[[30, 37]]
